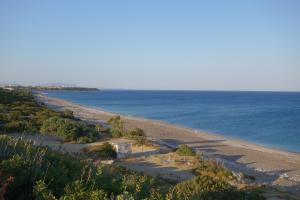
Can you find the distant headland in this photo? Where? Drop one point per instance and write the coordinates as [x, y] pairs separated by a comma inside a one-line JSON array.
[[49, 87]]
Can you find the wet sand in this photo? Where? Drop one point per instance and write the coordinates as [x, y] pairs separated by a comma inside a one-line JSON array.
[[269, 166]]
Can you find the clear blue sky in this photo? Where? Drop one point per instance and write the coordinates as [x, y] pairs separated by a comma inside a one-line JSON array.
[[152, 44]]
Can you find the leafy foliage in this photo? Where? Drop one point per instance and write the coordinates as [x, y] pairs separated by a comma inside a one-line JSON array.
[[103, 151], [185, 150], [20, 112], [213, 169], [206, 187], [36, 175], [116, 124], [30, 172], [68, 114], [138, 135]]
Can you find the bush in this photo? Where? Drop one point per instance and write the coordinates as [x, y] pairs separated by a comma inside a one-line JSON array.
[[206, 187], [20, 126], [135, 133], [185, 150], [28, 164], [69, 130], [30, 172], [103, 151], [21, 113], [213, 169], [68, 114], [116, 124]]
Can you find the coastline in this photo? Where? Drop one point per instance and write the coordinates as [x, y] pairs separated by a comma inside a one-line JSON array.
[[270, 166]]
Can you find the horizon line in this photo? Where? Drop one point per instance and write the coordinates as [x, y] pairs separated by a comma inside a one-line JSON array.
[[197, 90]]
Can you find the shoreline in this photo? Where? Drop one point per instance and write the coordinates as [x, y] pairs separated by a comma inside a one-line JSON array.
[[269, 166], [197, 131]]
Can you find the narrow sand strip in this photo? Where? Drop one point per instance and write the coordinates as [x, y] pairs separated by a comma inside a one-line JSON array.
[[269, 166]]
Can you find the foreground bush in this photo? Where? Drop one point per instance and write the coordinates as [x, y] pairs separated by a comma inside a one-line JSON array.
[[206, 187], [39, 173], [29, 172]]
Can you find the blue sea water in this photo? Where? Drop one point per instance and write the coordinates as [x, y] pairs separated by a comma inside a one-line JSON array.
[[268, 118]]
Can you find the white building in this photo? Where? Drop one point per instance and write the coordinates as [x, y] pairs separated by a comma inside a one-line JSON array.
[[123, 147]]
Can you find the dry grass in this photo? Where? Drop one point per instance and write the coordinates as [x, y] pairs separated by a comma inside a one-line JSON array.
[[136, 148], [174, 160]]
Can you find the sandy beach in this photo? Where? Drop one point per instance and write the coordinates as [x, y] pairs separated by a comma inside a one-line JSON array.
[[269, 166]]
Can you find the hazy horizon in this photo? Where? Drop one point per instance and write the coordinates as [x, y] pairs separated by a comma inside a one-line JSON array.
[[153, 45]]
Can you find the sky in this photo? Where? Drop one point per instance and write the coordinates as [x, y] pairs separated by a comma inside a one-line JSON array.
[[152, 44]]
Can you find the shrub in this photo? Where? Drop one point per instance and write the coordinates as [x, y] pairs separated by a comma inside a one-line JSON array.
[[207, 187], [116, 124], [30, 172], [68, 114], [213, 169], [104, 151], [135, 133], [69, 130], [28, 164], [138, 135], [185, 150], [21, 113]]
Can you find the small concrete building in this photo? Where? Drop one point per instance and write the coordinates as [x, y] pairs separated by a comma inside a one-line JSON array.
[[8, 88], [123, 147]]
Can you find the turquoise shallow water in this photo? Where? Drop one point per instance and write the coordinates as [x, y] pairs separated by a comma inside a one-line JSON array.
[[268, 118]]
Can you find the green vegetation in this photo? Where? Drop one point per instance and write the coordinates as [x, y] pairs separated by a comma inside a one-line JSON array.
[[100, 129], [31, 172], [116, 126], [21, 113], [39, 173], [103, 151], [69, 130], [206, 187], [213, 169], [185, 150], [135, 133], [138, 135], [68, 114]]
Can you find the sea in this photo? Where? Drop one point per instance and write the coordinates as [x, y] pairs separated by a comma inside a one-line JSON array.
[[270, 119]]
